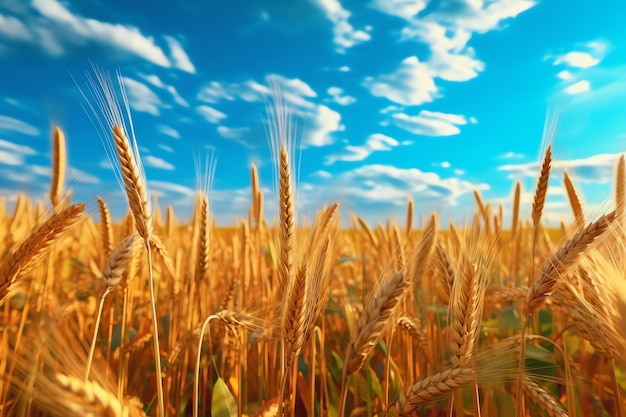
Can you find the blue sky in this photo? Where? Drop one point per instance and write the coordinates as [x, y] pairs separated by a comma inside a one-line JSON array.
[[392, 98]]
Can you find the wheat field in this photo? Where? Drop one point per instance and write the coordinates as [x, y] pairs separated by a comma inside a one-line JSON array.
[[151, 315]]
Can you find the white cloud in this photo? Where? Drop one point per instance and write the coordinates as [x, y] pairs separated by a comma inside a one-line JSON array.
[[177, 97], [16, 149], [12, 27], [565, 75], [105, 163], [10, 158], [153, 79], [52, 26], [455, 66], [406, 9], [155, 162], [410, 85], [339, 97], [141, 97], [322, 174], [40, 170], [459, 171], [375, 142], [156, 81], [391, 109], [319, 121], [9, 124], [80, 176], [446, 28], [165, 188], [344, 68], [384, 185], [345, 36], [430, 123], [579, 87], [445, 164], [511, 155], [234, 133], [180, 59], [214, 92], [210, 114], [481, 16], [594, 169], [577, 59], [169, 131], [166, 148]]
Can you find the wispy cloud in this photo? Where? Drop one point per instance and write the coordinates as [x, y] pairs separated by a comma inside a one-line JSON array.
[[210, 114], [234, 133], [166, 188], [446, 30], [565, 75], [53, 27], [510, 155], [9, 124], [345, 35], [155, 162], [379, 187], [339, 97], [180, 59], [593, 169], [375, 142], [80, 176], [406, 9], [157, 82], [579, 87], [13, 154], [169, 131], [577, 59], [141, 97], [410, 85], [429, 123], [319, 120]]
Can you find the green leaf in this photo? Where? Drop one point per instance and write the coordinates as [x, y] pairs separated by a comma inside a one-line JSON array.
[[509, 320], [223, 403], [374, 383], [540, 354]]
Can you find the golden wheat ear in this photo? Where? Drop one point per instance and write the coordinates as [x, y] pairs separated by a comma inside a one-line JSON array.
[[59, 165], [119, 131], [25, 254]]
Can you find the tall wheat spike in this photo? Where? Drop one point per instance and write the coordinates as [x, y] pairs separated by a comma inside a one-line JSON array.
[[376, 318], [106, 227], [59, 162], [554, 268], [112, 275], [133, 179], [574, 201]]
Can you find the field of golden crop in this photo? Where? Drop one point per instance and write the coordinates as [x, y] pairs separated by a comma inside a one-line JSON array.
[[153, 316]]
